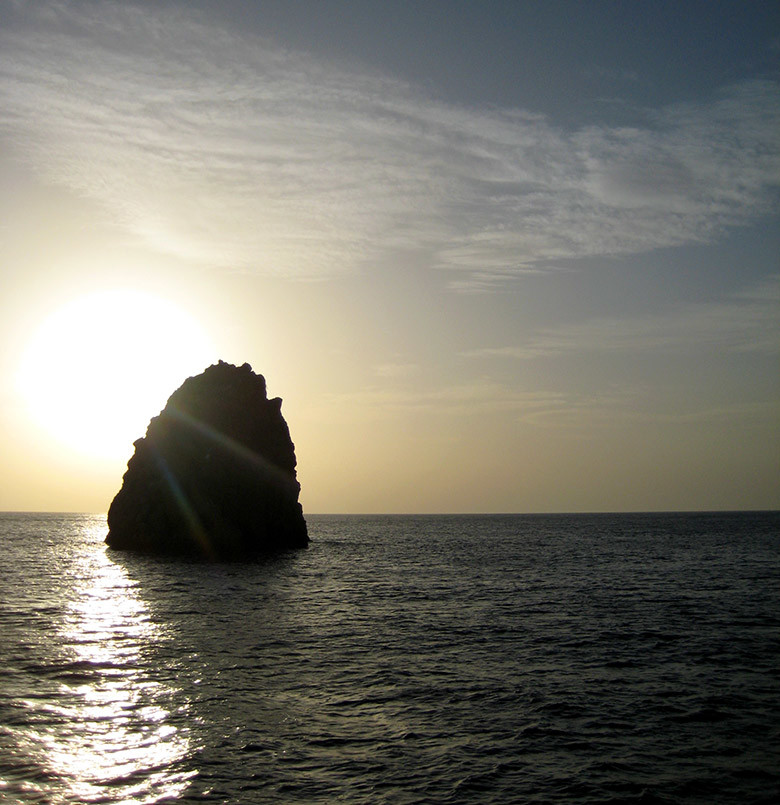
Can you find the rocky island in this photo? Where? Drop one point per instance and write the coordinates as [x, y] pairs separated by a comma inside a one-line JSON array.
[[214, 476]]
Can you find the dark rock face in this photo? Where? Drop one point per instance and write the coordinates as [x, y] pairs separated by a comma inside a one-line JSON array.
[[214, 476]]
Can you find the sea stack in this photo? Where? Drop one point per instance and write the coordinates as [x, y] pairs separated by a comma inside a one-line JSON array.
[[214, 476]]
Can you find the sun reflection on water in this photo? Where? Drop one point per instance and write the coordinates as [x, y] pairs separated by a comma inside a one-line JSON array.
[[126, 720]]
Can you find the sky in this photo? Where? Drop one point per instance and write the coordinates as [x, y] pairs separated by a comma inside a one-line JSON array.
[[494, 256]]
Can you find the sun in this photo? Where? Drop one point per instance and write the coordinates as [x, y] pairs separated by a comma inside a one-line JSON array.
[[98, 368]]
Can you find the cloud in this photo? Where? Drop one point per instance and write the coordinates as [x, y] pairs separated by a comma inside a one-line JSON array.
[[576, 411], [392, 370], [227, 149], [747, 322], [482, 397], [486, 399]]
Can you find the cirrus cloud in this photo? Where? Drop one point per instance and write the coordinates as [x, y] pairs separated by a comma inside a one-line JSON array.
[[229, 150], [745, 323]]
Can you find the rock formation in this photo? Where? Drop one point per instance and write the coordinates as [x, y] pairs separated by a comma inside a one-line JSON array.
[[214, 476]]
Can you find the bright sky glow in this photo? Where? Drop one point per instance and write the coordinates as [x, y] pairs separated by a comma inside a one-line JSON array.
[[495, 256], [101, 366]]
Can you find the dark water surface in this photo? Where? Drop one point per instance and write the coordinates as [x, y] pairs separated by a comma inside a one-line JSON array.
[[485, 659]]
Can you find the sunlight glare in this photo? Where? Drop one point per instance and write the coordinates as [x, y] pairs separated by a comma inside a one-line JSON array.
[[127, 731], [100, 367]]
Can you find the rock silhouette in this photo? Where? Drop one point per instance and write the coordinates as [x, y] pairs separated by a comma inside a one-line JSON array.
[[214, 476]]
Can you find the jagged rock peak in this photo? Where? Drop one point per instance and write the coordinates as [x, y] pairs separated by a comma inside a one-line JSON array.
[[215, 474]]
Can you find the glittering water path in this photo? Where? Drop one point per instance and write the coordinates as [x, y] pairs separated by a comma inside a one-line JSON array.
[[598, 658]]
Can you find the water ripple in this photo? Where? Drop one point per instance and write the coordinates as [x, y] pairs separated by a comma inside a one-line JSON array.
[[399, 660]]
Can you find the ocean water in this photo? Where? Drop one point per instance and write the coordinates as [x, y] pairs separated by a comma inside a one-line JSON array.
[[438, 659]]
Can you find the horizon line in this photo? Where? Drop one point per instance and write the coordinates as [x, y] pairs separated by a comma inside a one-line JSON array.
[[459, 513]]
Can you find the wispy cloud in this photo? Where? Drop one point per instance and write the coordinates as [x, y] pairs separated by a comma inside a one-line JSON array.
[[479, 398], [748, 322], [485, 399], [576, 411], [227, 149], [391, 370]]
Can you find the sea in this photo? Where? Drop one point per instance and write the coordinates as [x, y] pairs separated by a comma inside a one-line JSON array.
[[586, 658]]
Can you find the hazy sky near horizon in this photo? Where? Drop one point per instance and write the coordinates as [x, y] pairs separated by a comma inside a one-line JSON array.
[[496, 256]]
